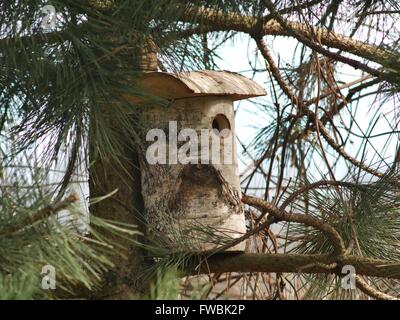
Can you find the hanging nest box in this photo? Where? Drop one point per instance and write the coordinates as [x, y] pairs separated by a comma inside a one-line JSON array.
[[190, 184]]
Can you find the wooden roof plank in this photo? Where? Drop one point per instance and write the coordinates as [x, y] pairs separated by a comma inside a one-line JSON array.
[[201, 83]]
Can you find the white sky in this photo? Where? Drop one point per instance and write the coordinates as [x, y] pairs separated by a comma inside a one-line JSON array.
[[250, 119]]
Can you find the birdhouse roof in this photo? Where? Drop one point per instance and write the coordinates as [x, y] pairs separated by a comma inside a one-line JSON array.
[[200, 83]]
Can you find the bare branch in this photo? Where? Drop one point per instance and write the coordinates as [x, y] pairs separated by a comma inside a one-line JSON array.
[[221, 21], [318, 224], [290, 263]]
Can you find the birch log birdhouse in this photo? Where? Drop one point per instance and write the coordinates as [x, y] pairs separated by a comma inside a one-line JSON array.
[[189, 179]]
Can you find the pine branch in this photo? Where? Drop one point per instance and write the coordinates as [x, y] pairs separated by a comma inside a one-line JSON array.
[[302, 107], [42, 214], [318, 224], [312, 39], [212, 21], [372, 292], [290, 263], [344, 154]]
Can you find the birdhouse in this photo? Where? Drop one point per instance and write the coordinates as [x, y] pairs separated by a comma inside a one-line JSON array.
[[189, 167]]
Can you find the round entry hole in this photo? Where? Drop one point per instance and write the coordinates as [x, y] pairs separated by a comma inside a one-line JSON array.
[[221, 125]]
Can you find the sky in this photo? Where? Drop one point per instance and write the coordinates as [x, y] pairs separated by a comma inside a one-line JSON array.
[[249, 119]]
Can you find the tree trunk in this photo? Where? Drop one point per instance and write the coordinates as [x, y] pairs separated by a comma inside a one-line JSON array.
[[126, 205]]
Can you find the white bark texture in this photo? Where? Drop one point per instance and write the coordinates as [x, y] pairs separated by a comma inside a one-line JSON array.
[[194, 206]]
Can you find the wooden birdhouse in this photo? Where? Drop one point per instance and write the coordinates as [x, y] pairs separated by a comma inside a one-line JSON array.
[[189, 179]]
